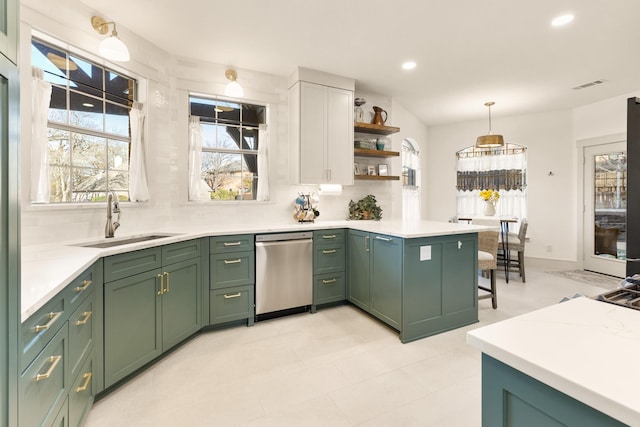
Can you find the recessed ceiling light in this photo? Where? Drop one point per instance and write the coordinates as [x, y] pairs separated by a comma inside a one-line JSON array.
[[87, 104], [410, 65], [562, 20]]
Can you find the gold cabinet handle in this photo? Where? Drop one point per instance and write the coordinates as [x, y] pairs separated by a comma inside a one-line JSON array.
[[326, 282], [232, 261], [52, 319], [329, 236], [384, 239], [85, 285], [232, 243], [331, 251], [366, 243], [86, 315], [54, 360], [161, 279], [226, 296], [87, 381], [166, 290]]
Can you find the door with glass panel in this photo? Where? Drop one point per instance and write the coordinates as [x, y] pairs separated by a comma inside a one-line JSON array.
[[605, 211]]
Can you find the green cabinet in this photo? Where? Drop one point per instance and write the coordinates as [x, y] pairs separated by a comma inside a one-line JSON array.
[[149, 312], [511, 398], [58, 348], [9, 29], [375, 275], [329, 265], [232, 279]]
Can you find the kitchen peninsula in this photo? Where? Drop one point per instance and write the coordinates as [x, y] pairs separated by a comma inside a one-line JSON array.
[[561, 365]]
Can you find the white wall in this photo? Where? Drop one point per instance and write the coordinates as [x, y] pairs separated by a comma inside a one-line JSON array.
[[551, 199]]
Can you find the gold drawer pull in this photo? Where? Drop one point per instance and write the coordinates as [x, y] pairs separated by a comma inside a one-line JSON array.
[[85, 285], [86, 315], [232, 261], [166, 290], [331, 251], [329, 281], [232, 243], [52, 319], [232, 296], [87, 381], [329, 236], [384, 239], [161, 291], [54, 360]]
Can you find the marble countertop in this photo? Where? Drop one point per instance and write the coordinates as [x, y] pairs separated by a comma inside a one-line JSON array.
[[584, 348], [47, 269]]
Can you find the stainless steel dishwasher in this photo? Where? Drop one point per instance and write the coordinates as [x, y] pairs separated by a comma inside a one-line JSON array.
[[284, 271]]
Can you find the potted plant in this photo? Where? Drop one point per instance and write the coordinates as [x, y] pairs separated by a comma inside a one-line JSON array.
[[490, 198], [365, 208]]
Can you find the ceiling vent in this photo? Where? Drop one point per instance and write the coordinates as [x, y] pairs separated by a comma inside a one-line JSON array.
[[586, 85]]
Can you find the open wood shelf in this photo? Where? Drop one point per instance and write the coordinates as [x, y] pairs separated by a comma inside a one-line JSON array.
[[374, 153], [376, 178], [375, 129]]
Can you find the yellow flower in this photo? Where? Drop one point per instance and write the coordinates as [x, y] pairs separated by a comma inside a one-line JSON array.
[[490, 195]]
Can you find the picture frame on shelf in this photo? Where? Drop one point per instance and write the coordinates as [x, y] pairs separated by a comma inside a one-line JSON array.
[[383, 169], [356, 168], [371, 170]]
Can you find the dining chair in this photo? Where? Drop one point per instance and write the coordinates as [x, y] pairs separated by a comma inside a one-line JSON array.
[[516, 243], [488, 261]]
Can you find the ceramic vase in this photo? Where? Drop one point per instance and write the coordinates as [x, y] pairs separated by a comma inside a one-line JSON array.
[[489, 208]]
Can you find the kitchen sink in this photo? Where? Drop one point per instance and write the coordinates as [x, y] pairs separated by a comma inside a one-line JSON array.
[[123, 241]]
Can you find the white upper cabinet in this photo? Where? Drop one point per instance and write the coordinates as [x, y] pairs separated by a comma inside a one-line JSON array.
[[9, 29], [321, 133]]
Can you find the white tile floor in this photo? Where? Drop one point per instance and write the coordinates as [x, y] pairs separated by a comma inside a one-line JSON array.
[[338, 367]]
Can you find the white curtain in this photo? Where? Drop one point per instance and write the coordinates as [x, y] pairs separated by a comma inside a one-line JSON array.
[[411, 193], [41, 97], [138, 186], [195, 157], [512, 203], [263, 163]]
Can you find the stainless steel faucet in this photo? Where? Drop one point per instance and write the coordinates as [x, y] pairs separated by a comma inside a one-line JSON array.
[[111, 227]]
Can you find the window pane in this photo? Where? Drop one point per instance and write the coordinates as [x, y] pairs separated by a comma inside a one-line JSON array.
[[59, 147], [119, 88], [119, 181], [227, 112], [89, 151], [253, 114], [117, 120], [86, 112], [250, 138], [87, 77], [229, 137], [60, 184], [88, 183], [58, 105], [118, 155], [209, 135], [52, 61]]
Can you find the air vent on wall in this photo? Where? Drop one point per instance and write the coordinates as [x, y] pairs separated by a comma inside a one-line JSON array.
[[586, 85]]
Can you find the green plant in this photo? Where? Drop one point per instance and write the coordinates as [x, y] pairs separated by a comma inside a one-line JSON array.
[[365, 208]]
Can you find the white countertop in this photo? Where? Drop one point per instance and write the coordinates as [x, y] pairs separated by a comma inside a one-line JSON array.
[[584, 348], [47, 269]]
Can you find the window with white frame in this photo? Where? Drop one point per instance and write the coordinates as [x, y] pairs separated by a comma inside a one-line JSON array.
[[230, 148], [88, 126]]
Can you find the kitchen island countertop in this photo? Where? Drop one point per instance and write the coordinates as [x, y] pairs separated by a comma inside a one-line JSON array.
[[47, 269], [583, 348]]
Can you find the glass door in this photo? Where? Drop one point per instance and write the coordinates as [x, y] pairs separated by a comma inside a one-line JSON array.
[[605, 213]]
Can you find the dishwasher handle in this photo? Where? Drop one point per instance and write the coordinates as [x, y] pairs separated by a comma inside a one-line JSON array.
[[283, 243]]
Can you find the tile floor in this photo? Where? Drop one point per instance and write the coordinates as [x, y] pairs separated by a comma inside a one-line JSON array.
[[338, 367]]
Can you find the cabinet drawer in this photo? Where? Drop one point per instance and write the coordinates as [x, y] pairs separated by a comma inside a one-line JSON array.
[[80, 288], [43, 387], [227, 305], [328, 258], [329, 288], [81, 393], [234, 269], [39, 328], [81, 329], [181, 251], [235, 243], [131, 263], [328, 236]]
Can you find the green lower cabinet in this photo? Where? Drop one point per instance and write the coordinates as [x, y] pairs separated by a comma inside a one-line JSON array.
[[81, 393], [358, 262], [132, 315], [386, 279], [511, 398], [232, 304], [62, 419], [180, 303], [328, 288]]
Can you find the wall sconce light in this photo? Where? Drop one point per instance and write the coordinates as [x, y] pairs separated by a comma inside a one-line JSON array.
[[112, 47], [488, 140], [233, 89]]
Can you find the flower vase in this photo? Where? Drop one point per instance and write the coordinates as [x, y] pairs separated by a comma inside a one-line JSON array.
[[489, 208]]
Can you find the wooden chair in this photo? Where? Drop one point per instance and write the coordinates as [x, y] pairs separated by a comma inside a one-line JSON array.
[[516, 244], [488, 261]]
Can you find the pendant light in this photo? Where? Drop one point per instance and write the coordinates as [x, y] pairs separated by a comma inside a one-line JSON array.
[[489, 140], [233, 88], [112, 47]]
